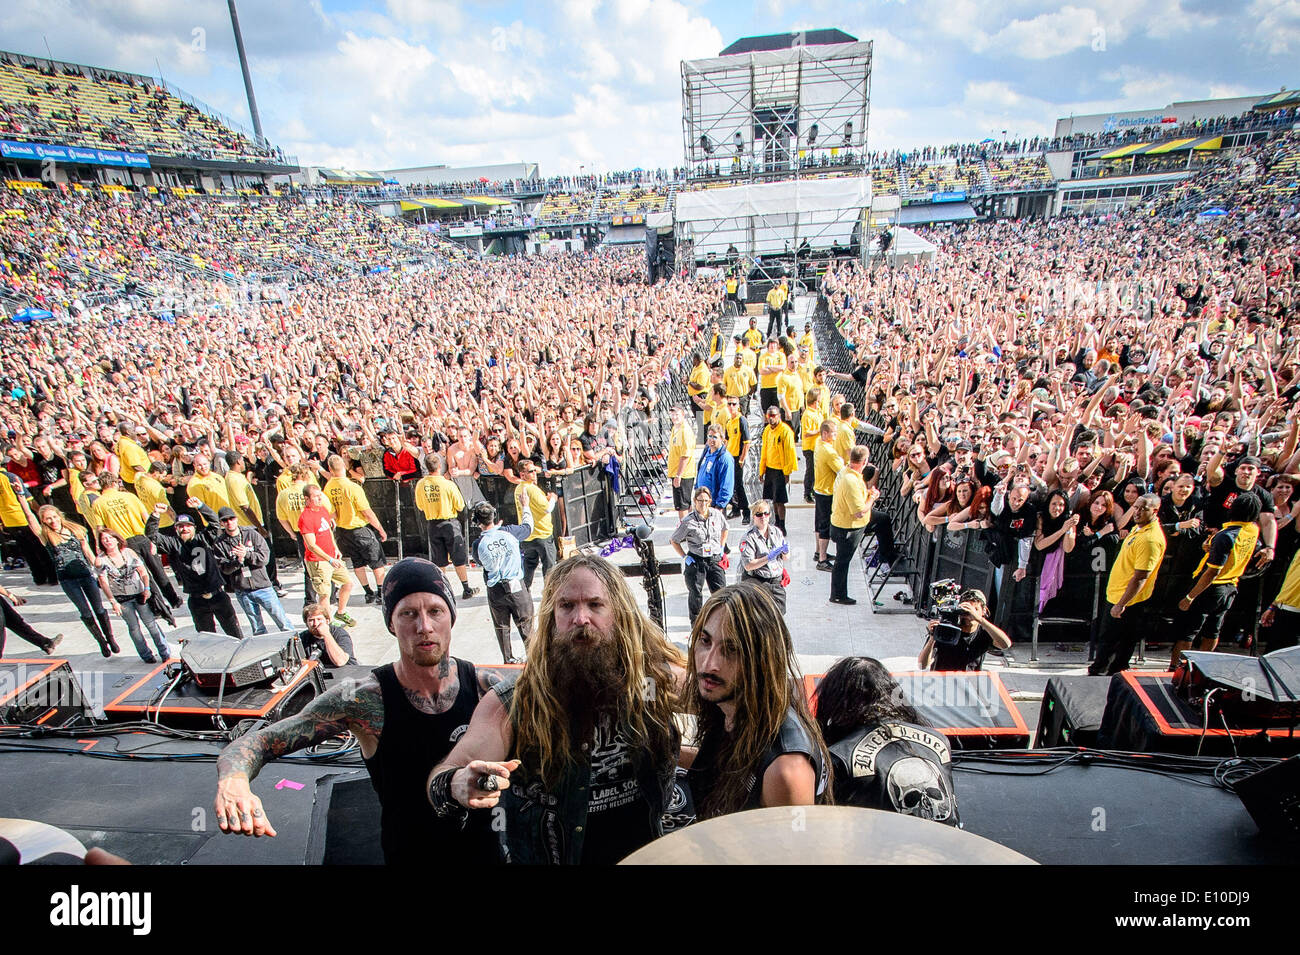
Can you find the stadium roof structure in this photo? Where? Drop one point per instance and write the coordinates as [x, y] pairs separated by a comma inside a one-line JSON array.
[[1166, 146], [1280, 100], [361, 177], [786, 41]]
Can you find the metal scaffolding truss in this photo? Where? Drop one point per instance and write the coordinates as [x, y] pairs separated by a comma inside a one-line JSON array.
[[777, 111]]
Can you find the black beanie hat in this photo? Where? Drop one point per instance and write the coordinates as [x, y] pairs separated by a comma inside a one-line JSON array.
[[415, 575]]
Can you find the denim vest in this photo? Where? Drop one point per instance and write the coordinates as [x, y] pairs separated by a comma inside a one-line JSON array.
[[547, 827]]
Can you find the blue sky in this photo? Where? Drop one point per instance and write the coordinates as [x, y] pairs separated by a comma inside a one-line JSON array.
[[596, 83]]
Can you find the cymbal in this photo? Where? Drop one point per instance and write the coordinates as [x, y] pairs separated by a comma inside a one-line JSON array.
[[823, 835]]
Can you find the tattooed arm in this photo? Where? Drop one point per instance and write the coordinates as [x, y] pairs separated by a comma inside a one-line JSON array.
[[355, 707]]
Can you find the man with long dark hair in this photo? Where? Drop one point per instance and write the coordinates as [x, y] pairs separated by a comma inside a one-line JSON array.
[[581, 749], [884, 755], [758, 744]]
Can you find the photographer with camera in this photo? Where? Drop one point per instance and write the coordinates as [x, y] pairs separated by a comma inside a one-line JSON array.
[[961, 632]]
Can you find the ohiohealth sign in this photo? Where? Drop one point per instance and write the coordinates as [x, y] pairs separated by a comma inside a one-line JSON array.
[[74, 154]]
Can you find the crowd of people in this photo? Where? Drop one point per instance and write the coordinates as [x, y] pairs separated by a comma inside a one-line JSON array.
[[64, 103], [1070, 390], [518, 370]]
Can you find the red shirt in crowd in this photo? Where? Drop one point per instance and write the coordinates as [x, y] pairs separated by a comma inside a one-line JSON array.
[[316, 520]]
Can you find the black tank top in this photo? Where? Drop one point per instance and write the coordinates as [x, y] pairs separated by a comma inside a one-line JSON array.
[[791, 738], [410, 745]]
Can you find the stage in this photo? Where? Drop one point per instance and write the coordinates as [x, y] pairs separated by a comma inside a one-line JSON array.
[[154, 806]]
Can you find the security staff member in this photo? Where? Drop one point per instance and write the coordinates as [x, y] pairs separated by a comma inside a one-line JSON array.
[[701, 539], [827, 464], [810, 424], [360, 535], [777, 460], [1131, 582], [440, 502], [737, 436], [539, 547], [776, 310], [1230, 552], [740, 379], [503, 574], [850, 511]]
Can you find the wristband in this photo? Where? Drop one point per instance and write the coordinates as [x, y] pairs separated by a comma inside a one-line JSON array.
[[444, 807]]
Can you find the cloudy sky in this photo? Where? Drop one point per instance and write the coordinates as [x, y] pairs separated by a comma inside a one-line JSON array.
[[390, 83]]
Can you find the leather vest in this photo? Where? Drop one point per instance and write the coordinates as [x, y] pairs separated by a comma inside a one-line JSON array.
[[897, 767]]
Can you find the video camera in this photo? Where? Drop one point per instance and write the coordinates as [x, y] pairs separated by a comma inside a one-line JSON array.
[[946, 598]]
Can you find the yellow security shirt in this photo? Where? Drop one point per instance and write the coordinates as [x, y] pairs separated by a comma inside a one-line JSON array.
[[849, 497], [699, 380], [739, 381], [121, 512], [290, 503], [211, 490], [810, 425], [826, 465], [437, 498], [1143, 549], [1288, 598], [241, 492], [11, 510], [789, 386], [285, 477], [770, 367], [150, 491], [681, 444], [1230, 552], [845, 437], [733, 434], [349, 500], [778, 449], [530, 496], [131, 457]]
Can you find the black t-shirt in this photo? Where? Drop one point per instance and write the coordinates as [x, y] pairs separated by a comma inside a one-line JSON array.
[[341, 637], [618, 822], [898, 767], [1021, 523], [1219, 500], [49, 470], [965, 654]]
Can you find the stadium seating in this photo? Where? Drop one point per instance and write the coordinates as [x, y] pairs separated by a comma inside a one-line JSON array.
[[107, 110]]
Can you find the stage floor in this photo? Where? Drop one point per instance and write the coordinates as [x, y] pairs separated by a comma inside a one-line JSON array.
[[154, 811]]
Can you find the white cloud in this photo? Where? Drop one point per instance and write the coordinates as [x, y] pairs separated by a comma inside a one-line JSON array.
[[1277, 26], [1046, 35]]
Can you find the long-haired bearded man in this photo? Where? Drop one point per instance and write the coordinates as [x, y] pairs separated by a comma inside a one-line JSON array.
[[576, 757], [758, 744]]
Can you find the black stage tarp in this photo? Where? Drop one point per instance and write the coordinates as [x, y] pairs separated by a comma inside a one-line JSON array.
[[158, 811]]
